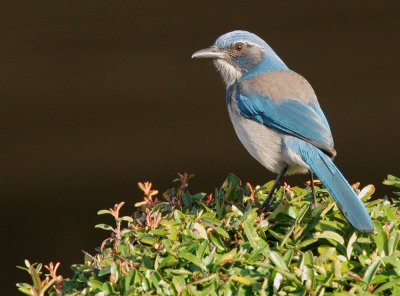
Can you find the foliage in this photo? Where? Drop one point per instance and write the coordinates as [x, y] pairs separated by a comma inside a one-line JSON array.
[[218, 244]]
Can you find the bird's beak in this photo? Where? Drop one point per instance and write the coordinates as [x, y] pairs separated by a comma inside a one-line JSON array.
[[212, 52]]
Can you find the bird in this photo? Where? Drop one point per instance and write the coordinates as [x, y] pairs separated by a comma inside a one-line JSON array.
[[277, 117]]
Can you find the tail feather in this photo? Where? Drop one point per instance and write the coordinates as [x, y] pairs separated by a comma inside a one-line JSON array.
[[352, 208]]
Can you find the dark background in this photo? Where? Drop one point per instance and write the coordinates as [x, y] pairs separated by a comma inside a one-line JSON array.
[[98, 95]]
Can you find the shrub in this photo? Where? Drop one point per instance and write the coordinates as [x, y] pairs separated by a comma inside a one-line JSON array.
[[218, 244]]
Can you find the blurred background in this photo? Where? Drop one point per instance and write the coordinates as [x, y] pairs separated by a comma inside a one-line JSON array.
[[98, 95]]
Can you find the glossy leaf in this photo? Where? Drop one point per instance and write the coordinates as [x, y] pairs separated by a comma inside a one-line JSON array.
[[221, 244]]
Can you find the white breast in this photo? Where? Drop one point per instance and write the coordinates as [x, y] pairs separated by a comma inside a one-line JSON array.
[[265, 144]]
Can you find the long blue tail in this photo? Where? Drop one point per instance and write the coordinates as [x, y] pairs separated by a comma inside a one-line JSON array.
[[352, 208]]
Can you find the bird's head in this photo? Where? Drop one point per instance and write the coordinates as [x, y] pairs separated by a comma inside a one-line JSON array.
[[240, 53]]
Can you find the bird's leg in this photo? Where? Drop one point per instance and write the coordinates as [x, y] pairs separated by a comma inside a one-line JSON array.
[[314, 202], [271, 192]]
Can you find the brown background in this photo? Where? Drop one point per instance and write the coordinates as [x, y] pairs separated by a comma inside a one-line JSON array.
[[98, 95]]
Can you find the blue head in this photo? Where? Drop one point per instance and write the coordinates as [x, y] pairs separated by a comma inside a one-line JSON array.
[[241, 54]]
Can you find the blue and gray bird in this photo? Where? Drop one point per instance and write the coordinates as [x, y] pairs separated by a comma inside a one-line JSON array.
[[277, 117]]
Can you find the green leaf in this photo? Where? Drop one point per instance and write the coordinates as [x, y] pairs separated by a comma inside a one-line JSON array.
[[173, 233], [277, 282], [243, 280], [145, 284], [105, 227], [302, 213], [127, 218], [387, 286], [278, 260], [129, 279], [103, 212], [216, 240], [327, 253], [227, 257], [178, 271], [222, 232], [179, 216], [168, 262], [364, 240], [48, 285], [288, 256], [154, 277], [392, 180], [105, 270], [199, 231], [381, 239], [187, 200], [192, 259], [179, 283], [212, 220], [37, 283], [393, 242], [255, 241], [307, 242], [349, 249], [148, 240], [25, 290], [366, 193], [108, 288], [147, 262], [307, 267], [371, 271], [95, 284], [330, 235], [231, 181], [201, 249]]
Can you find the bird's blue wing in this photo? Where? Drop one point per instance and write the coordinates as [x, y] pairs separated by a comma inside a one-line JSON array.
[[289, 115]]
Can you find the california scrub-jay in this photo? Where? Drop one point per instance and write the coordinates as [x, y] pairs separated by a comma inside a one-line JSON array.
[[276, 116]]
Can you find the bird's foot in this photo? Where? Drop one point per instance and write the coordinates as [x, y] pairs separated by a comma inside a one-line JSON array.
[[275, 205], [269, 207], [314, 203]]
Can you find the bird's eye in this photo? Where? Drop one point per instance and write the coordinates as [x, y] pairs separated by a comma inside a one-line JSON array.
[[238, 47]]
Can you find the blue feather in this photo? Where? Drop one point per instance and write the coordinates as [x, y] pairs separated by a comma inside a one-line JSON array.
[[352, 208], [268, 64], [291, 116]]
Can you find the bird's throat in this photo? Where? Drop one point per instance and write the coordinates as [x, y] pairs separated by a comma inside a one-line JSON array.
[[228, 72]]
